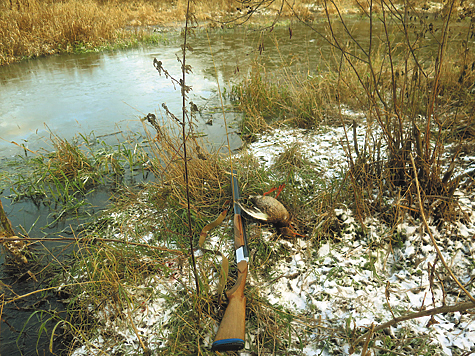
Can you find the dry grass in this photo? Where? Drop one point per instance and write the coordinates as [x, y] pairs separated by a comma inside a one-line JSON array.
[[31, 28], [293, 99], [396, 92], [415, 103], [292, 156], [111, 270], [206, 172], [67, 160]]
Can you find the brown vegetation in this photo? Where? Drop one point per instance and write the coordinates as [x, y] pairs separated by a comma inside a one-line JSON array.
[[413, 81], [31, 28]]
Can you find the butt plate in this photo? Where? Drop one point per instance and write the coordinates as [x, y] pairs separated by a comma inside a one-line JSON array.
[[228, 345]]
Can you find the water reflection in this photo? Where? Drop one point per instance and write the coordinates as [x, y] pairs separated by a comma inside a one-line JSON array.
[[101, 92], [93, 92], [106, 92]]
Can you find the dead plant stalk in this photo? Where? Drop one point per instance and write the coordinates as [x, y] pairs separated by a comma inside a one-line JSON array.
[[421, 209], [185, 161]]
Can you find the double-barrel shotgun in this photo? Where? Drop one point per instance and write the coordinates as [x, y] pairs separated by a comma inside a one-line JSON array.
[[231, 332]]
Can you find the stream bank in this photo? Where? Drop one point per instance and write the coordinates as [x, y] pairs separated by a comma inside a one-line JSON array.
[[117, 279]]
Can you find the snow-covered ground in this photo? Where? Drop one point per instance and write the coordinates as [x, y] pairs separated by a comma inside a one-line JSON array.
[[345, 282], [323, 147], [349, 279]]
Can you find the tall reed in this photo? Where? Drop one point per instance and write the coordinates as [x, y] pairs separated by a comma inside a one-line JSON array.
[[409, 93], [32, 28]]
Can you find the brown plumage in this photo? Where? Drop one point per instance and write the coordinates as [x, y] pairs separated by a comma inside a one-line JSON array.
[[276, 213], [269, 209]]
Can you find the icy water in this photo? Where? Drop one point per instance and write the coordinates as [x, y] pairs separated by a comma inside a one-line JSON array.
[[26, 324], [107, 94]]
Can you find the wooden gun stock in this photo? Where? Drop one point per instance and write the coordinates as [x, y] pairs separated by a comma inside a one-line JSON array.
[[230, 336], [231, 332]]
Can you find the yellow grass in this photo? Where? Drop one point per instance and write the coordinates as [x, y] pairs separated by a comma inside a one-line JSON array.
[[30, 28]]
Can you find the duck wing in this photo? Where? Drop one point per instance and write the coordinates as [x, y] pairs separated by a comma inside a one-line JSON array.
[[254, 213]]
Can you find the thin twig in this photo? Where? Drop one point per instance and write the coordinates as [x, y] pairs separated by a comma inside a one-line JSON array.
[[5, 223], [440, 310], [421, 209], [46, 289], [368, 339], [387, 295], [87, 240], [185, 161], [146, 350]]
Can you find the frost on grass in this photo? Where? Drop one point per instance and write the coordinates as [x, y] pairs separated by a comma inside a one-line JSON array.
[[346, 284], [141, 315], [118, 332], [323, 147]]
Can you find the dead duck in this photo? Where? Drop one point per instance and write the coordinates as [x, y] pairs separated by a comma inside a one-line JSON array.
[[268, 209]]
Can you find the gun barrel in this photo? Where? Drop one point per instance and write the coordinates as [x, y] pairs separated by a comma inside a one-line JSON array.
[[240, 236]]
